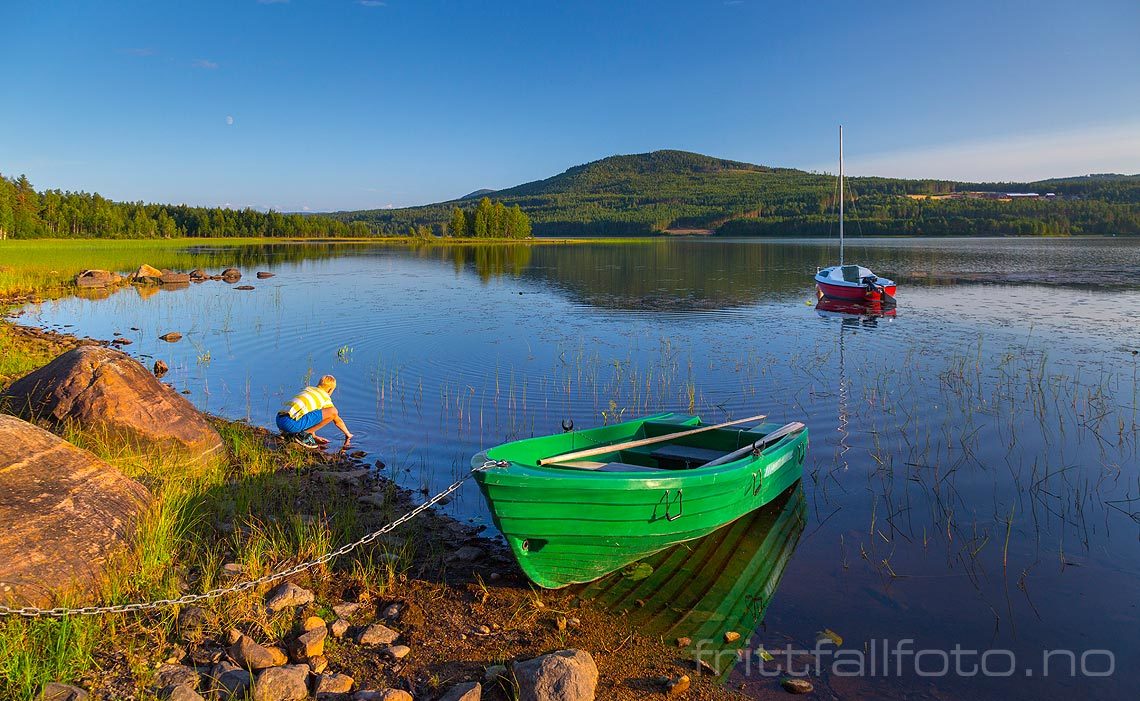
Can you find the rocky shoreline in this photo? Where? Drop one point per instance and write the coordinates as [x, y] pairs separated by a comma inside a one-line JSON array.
[[433, 610]]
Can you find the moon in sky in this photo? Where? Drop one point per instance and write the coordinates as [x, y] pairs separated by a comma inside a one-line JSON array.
[[229, 119]]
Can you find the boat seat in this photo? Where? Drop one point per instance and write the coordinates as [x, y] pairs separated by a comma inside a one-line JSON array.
[[626, 467], [683, 457]]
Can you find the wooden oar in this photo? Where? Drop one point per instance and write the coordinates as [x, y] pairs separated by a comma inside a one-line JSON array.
[[794, 427], [598, 450]]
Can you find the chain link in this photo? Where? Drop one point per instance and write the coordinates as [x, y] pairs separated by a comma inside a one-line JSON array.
[[60, 612]]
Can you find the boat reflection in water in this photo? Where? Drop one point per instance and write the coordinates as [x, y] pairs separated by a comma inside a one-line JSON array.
[[705, 588], [869, 312]]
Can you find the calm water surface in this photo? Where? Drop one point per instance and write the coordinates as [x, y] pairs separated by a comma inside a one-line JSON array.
[[973, 477]]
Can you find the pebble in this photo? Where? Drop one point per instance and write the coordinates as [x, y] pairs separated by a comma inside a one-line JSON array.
[[287, 595], [346, 609], [338, 628], [171, 337], [795, 685], [398, 652], [684, 642], [318, 664], [677, 686], [377, 634], [333, 684], [731, 636]]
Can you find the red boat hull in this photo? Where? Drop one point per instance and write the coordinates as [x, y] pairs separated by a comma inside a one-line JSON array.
[[852, 293]]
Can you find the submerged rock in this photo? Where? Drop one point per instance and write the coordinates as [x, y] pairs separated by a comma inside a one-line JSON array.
[[261, 275], [172, 278], [160, 368], [231, 275], [65, 513], [107, 392], [244, 287]]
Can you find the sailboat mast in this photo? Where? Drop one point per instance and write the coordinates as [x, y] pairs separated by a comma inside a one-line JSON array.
[[841, 194]]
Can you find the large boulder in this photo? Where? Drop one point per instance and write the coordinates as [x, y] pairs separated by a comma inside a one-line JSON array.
[[63, 513], [146, 273], [106, 391], [97, 278], [566, 675]]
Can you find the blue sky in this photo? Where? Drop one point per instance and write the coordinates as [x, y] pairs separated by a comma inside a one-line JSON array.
[[344, 104]]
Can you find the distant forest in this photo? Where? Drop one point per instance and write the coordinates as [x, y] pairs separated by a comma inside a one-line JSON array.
[[26, 213], [651, 193], [637, 195]]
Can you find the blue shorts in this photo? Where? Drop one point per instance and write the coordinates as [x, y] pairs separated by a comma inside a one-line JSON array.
[[307, 421]]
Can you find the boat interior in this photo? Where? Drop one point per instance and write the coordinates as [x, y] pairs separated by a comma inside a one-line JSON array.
[[684, 453]]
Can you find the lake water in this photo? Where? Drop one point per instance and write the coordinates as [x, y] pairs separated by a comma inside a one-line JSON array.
[[973, 477]]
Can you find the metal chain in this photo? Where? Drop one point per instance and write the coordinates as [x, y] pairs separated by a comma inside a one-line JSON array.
[[60, 612]]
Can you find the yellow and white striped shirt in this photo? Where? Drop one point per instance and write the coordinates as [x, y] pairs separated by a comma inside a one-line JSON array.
[[310, 399]]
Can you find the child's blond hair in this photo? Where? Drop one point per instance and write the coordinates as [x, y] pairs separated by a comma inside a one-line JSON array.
[[327, 383]]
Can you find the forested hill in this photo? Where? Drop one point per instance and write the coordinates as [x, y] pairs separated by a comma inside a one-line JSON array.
[[677, 190]]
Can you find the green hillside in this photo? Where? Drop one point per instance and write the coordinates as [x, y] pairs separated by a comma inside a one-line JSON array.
[[677, 190]]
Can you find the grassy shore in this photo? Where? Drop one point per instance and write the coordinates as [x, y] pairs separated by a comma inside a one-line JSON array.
[[268, 506]]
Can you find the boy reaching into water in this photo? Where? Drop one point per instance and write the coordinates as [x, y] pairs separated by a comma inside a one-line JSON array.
[[310, 411]]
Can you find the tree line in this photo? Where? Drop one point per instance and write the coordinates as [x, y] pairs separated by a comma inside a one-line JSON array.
[[489, 219], [27, 213]]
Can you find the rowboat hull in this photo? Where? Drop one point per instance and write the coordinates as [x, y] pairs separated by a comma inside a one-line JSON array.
[[854, 294], [568, 526]]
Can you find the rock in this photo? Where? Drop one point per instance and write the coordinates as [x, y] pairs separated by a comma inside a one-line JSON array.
[[160, 368], [231, 681], [176, 675], [192, 619], [171, 278], [282, 684], [54, 691], [287, 595], [312, 623], [97, 278], [383, 695], [466, 554], [146, 273], [332, 684], [180, 692], [64, 513], [397, 652], [676, 686], [309, 644], [107, 391], [261, 275], [391, 612], [231, 275], [338, 628], [796, 685], [318, 664], [377, 634], [346, 610], [171, 337], [467, 691], [244, 287], [494, 673], [197, 274], [120, 341], [731, 636], [249, 655], [566, 675]]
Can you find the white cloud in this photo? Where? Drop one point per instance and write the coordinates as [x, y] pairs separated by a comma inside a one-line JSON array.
[[204, 63], [371, 3], [1107, 148], [229, 119]]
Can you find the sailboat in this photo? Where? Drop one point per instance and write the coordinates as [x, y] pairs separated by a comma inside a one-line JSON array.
[[851, 282]]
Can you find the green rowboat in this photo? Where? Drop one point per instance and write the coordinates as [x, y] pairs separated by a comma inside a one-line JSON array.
[[571, 521]]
